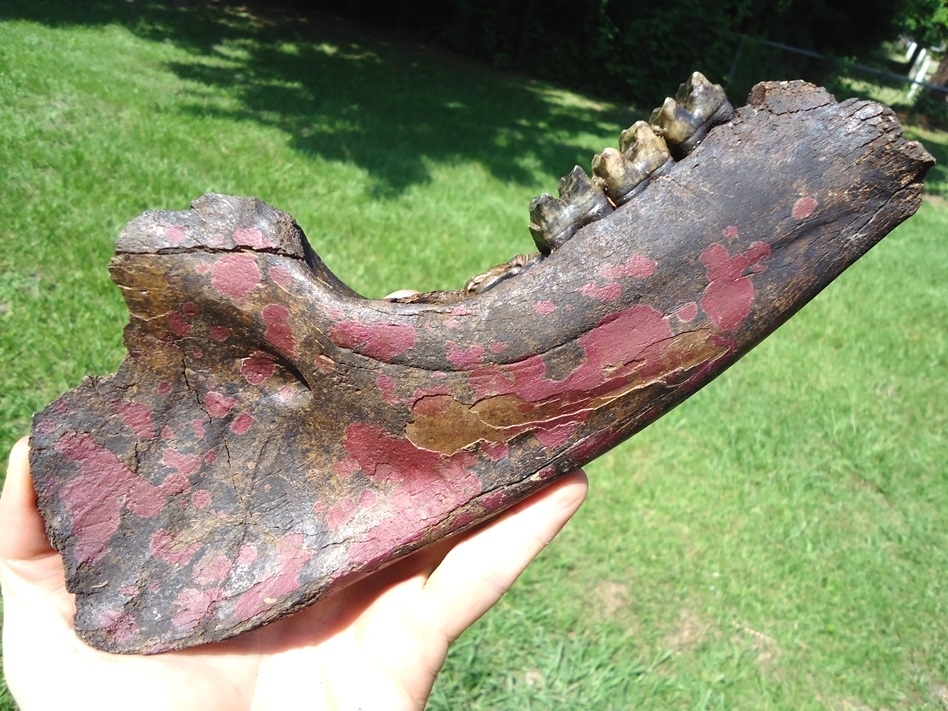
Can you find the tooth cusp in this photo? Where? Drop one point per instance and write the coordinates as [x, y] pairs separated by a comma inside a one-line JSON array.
[[684, 121], [554, 220], [624, 174]]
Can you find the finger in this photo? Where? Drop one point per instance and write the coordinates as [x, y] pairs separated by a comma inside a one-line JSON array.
[[481, 568], [22, 532]]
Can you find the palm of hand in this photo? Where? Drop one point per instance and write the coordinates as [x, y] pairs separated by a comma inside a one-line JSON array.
[[379, 644]]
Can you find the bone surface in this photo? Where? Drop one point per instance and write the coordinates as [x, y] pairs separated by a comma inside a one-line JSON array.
[[272, 437]]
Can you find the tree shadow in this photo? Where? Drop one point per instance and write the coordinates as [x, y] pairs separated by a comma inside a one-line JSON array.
[[344, 95]]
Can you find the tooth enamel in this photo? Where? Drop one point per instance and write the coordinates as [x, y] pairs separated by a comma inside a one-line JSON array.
[[501, 272], [554, 220], [685, 120], [623, 174]]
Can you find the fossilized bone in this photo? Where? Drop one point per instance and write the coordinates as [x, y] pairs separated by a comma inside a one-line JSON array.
[[272, 436]]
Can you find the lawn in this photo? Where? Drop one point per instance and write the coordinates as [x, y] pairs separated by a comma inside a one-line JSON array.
[[780, 541]]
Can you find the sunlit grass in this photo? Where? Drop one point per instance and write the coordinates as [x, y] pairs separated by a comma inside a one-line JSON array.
[[777, 542]]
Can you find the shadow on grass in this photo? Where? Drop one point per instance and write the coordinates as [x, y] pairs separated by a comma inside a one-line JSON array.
[[390, 110]]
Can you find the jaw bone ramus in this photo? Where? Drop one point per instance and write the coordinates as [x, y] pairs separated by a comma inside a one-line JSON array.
[[272, 436]]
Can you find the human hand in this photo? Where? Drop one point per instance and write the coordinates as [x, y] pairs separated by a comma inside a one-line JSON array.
[[378, 644]]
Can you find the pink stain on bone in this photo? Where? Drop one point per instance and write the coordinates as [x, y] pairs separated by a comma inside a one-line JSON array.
[[637, 267], [166, 546], [174, 234], [544, 307], [610, 292], [687, 312], [219, 333], [281, 578], [804, 207], [241, 423], [465, 358], [194, 605], [253, 238], [419, 487], [135, 416], [95, 498], [218, 405], [257, 367], [730, 232], [381, 341], [622, 344], [235, 275], [730, 294], [279, 333]]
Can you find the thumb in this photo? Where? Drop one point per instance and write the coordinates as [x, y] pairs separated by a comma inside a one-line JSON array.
[[22, 531]]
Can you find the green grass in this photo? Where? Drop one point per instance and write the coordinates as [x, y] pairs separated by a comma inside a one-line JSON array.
[[780, 541]]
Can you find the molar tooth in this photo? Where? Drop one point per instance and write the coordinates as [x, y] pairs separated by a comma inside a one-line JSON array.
[[684, 121], [554, 221], [643, 154]]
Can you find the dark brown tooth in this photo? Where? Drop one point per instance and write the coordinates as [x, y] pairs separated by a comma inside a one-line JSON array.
[[623, 175], [554, 220], [684, 121]]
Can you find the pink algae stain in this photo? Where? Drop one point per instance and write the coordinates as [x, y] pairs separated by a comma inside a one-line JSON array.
[[175, 234], [212, 569], [610, 292], [164, 388], [179, 325], [804, 207], [623, 343], [730, 294], [687, 312], [185, 464], [189, 309], [246, 554], [282, 579], [346, 468], [165, 546], [730, 232], [167, 432], [340, 513], [253, 238], [201, 498], [235, 275], [495, 450], [95, 498], [380, 341], [544, 308], [218, 405], [418, 486], [210, 457], [465, 358], [498, 347], [193, 606], [281, 276], [556, 436], [135, 416], [256, 368], [637, 267], [119, 626], [386, 385], [279, 333], [241, 423], [219, 333], [198, 427]]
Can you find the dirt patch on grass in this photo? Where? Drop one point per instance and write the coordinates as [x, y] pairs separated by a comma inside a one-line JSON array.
[[766, 648], [688, 634]]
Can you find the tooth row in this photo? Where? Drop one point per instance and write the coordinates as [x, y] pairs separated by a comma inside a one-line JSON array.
[[554, 220], [685, 120], [646, 150]]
